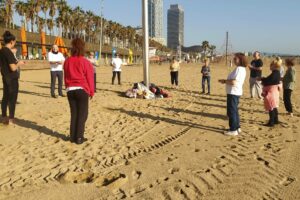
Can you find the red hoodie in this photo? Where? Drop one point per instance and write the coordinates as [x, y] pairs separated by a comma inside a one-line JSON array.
[[79, 72]]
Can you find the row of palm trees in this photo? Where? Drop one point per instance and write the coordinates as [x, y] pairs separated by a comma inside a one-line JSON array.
[[51, 15]]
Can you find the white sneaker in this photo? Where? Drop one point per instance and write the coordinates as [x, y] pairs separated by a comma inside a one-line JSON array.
[[232, 133], [239, 131]]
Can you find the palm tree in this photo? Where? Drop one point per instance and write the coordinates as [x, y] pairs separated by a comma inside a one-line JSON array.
[[40, 22], [52, 13], [45, 7], [213, 50], [31, 10], [21, 9], [205, 47], [9, 13]]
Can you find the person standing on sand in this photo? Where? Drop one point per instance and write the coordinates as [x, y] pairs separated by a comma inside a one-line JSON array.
[[205, 71], [93, 61], [79, 81], [117, 69], [271, 92], [255, 73], [289, 82], [280, 62], [234, 88], [10, 77], [56, 60], [174, 68]]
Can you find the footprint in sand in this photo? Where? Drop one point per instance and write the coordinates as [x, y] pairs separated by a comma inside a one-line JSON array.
[[136, 174], [287, 181], [171, 158], [260, 159], [75, 177]]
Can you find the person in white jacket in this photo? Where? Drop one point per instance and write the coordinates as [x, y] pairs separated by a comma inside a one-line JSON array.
[[56, 60], [117, 68]]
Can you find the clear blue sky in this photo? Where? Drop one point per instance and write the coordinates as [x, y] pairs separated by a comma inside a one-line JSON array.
[[265, 25]]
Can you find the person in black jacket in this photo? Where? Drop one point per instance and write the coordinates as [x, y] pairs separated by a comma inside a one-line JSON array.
[[273, 79], [10, 77]]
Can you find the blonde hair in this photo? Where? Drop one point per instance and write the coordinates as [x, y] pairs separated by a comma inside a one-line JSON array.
[[276, 64], [279, 60]]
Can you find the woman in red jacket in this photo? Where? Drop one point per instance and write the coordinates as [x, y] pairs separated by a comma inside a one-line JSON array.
[[79, 80]]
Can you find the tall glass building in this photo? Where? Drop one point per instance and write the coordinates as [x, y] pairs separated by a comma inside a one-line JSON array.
[[156, 19], [175, 26]]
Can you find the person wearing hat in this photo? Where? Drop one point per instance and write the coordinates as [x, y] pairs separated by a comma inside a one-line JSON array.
[[271, 88], [56, 60]]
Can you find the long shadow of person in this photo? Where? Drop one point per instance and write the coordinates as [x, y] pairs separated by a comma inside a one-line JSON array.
[[168, 120], [42, 129]]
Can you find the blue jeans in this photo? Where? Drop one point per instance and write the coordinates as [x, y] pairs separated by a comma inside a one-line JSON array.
[[206, 78], [233, 112]]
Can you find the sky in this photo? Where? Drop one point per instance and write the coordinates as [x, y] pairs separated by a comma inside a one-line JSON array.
[[264, 25]]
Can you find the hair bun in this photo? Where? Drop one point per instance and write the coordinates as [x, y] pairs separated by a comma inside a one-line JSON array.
[[7, 33]]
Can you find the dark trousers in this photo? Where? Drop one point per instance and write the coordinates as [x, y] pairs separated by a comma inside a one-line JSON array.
[[10, 96], [114, 77], [79, 104], [95, 81], [174, 78], [273, 117], [233, 112], [206, 79], [287, 94], [59, 75]]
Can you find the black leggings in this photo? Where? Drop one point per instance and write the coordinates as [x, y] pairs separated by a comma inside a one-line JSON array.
[[287, 94], [79, 104], [95, 82], [10, 96], [273, 117], [174, 78], [114, 76]]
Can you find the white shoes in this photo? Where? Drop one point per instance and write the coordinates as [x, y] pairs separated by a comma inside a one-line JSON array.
[[239, 130], [232, 133]]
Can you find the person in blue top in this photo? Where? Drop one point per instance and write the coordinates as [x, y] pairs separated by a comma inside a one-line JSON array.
[[205, 71]]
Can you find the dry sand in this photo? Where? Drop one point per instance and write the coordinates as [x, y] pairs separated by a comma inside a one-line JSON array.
[[148, 149]]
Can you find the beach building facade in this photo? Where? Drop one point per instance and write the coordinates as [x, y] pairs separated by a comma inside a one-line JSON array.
[[175, 26], [156, 20]]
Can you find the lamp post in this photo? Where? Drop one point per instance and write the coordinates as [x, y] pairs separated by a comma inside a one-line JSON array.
[[101, 31], [146, 43]]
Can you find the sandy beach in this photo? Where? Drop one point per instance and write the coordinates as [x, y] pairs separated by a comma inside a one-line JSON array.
[[148, 149]]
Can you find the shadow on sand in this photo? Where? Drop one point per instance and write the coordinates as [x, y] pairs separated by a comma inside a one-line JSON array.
[[42, 129], [168, 120]]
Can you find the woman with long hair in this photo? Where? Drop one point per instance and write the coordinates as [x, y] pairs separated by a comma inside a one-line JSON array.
[[79, 80]]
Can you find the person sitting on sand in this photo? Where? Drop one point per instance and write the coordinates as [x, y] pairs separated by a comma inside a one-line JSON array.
[[271, 87], [234, 88], [174, 68], [56, 60], [10, 77], [289, 85], [117, 68], [79, 80], [205, 71]]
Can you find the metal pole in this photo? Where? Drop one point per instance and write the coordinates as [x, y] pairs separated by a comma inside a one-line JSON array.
[[101, 32], [226, 48], [146, 43]]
